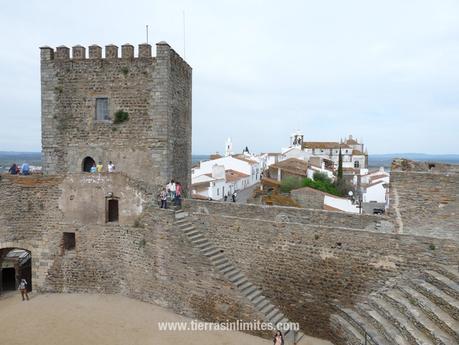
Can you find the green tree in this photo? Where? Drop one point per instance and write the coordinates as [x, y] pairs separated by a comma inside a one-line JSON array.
[[340, 165]]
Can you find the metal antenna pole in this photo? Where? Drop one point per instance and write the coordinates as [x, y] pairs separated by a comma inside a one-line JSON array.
[[184, 46], [147, 32]]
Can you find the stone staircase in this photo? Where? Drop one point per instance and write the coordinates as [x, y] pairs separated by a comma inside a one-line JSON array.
[[417, 311], [228, 270]]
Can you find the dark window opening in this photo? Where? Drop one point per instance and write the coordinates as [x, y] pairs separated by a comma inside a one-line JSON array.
[[112, 210], [102, 109], [88, 163], [356, 164], [8, 279], [15, 264], [69, 241], [431, 165]]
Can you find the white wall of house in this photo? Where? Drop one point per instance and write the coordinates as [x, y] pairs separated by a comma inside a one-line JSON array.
[[341, 204], [208, 167], [375, 193]]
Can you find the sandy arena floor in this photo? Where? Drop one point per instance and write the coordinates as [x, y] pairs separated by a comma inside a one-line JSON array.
[[76, 319]]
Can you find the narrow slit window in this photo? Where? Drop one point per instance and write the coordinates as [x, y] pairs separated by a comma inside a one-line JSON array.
[[69, 241], [112, 210], [102, 109]]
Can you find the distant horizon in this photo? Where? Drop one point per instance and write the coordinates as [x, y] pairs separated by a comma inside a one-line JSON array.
[[370, 154]]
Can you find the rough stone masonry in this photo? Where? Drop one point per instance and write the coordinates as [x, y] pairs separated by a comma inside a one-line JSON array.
[[153, 145]]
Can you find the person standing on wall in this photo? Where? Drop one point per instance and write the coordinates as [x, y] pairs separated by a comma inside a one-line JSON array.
[[93, 168], [23, 289], [99, 167], [163, 197], [178, 194], [172, 189], [13, 169], [111, 167], [234, 196], [25, 168]]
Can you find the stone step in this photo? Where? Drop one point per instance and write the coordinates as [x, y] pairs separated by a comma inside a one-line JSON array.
[[451, 271], [237, 277], [232, 272], [406, 327], [202, 245], [193, 232], [262, 303], [227, 269], [220, 261], [442, 318], [216, 257], [276, 318], [195, 236], [211, 251], [273, 312], [345, 330], [298, 337], [441, 299], [200, 240], [367, 326], [225, 265], [419, 318], [240, 281], [180, 214], [258, 299], [443, 283], [233, 275], [267, 308], [248, 290], [245, 285], [383, 325], [188, 229], [254, 294]]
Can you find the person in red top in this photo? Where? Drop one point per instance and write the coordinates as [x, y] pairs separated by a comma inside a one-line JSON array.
[[178, 194]]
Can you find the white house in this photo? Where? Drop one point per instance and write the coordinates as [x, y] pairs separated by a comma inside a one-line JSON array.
[[214, 178], [374, 186]]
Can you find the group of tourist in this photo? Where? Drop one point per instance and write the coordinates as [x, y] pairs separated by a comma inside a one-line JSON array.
[[173, 193], [100, 167], [15, 169]]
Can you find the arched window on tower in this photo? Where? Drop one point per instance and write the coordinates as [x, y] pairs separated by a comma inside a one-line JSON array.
[[87, 163]]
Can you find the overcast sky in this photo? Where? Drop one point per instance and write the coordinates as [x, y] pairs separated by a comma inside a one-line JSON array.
[[385, 71]]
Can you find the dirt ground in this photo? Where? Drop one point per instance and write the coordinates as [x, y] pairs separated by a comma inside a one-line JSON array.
[[91, 319]]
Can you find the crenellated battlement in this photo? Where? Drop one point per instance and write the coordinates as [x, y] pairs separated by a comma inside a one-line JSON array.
[[111, 51]]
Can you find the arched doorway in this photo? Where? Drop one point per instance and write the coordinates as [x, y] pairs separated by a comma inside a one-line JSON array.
[[88, 162], [15, 264]]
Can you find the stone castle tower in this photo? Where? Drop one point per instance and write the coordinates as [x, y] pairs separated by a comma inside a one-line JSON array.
[[132, 110]]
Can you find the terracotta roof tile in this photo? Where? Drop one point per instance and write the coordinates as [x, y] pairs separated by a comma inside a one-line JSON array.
[[293, 165]]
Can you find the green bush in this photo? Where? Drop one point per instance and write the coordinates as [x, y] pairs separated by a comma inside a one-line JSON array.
[[289, 183], [320, 176], [121, 116], [325, 186]]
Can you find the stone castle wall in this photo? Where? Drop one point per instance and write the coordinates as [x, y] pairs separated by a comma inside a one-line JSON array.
[[142, 256], [305, 268], [145, 87], [302, 267], [323, 218], [425, 200]]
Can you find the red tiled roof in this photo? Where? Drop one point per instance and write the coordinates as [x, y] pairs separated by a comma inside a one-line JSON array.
[[245, 159], [292, 165], [324, 145], [232, 175]]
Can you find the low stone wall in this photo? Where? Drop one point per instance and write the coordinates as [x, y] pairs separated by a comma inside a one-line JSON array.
[[308, 197], [425, 202], [292, 215]]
